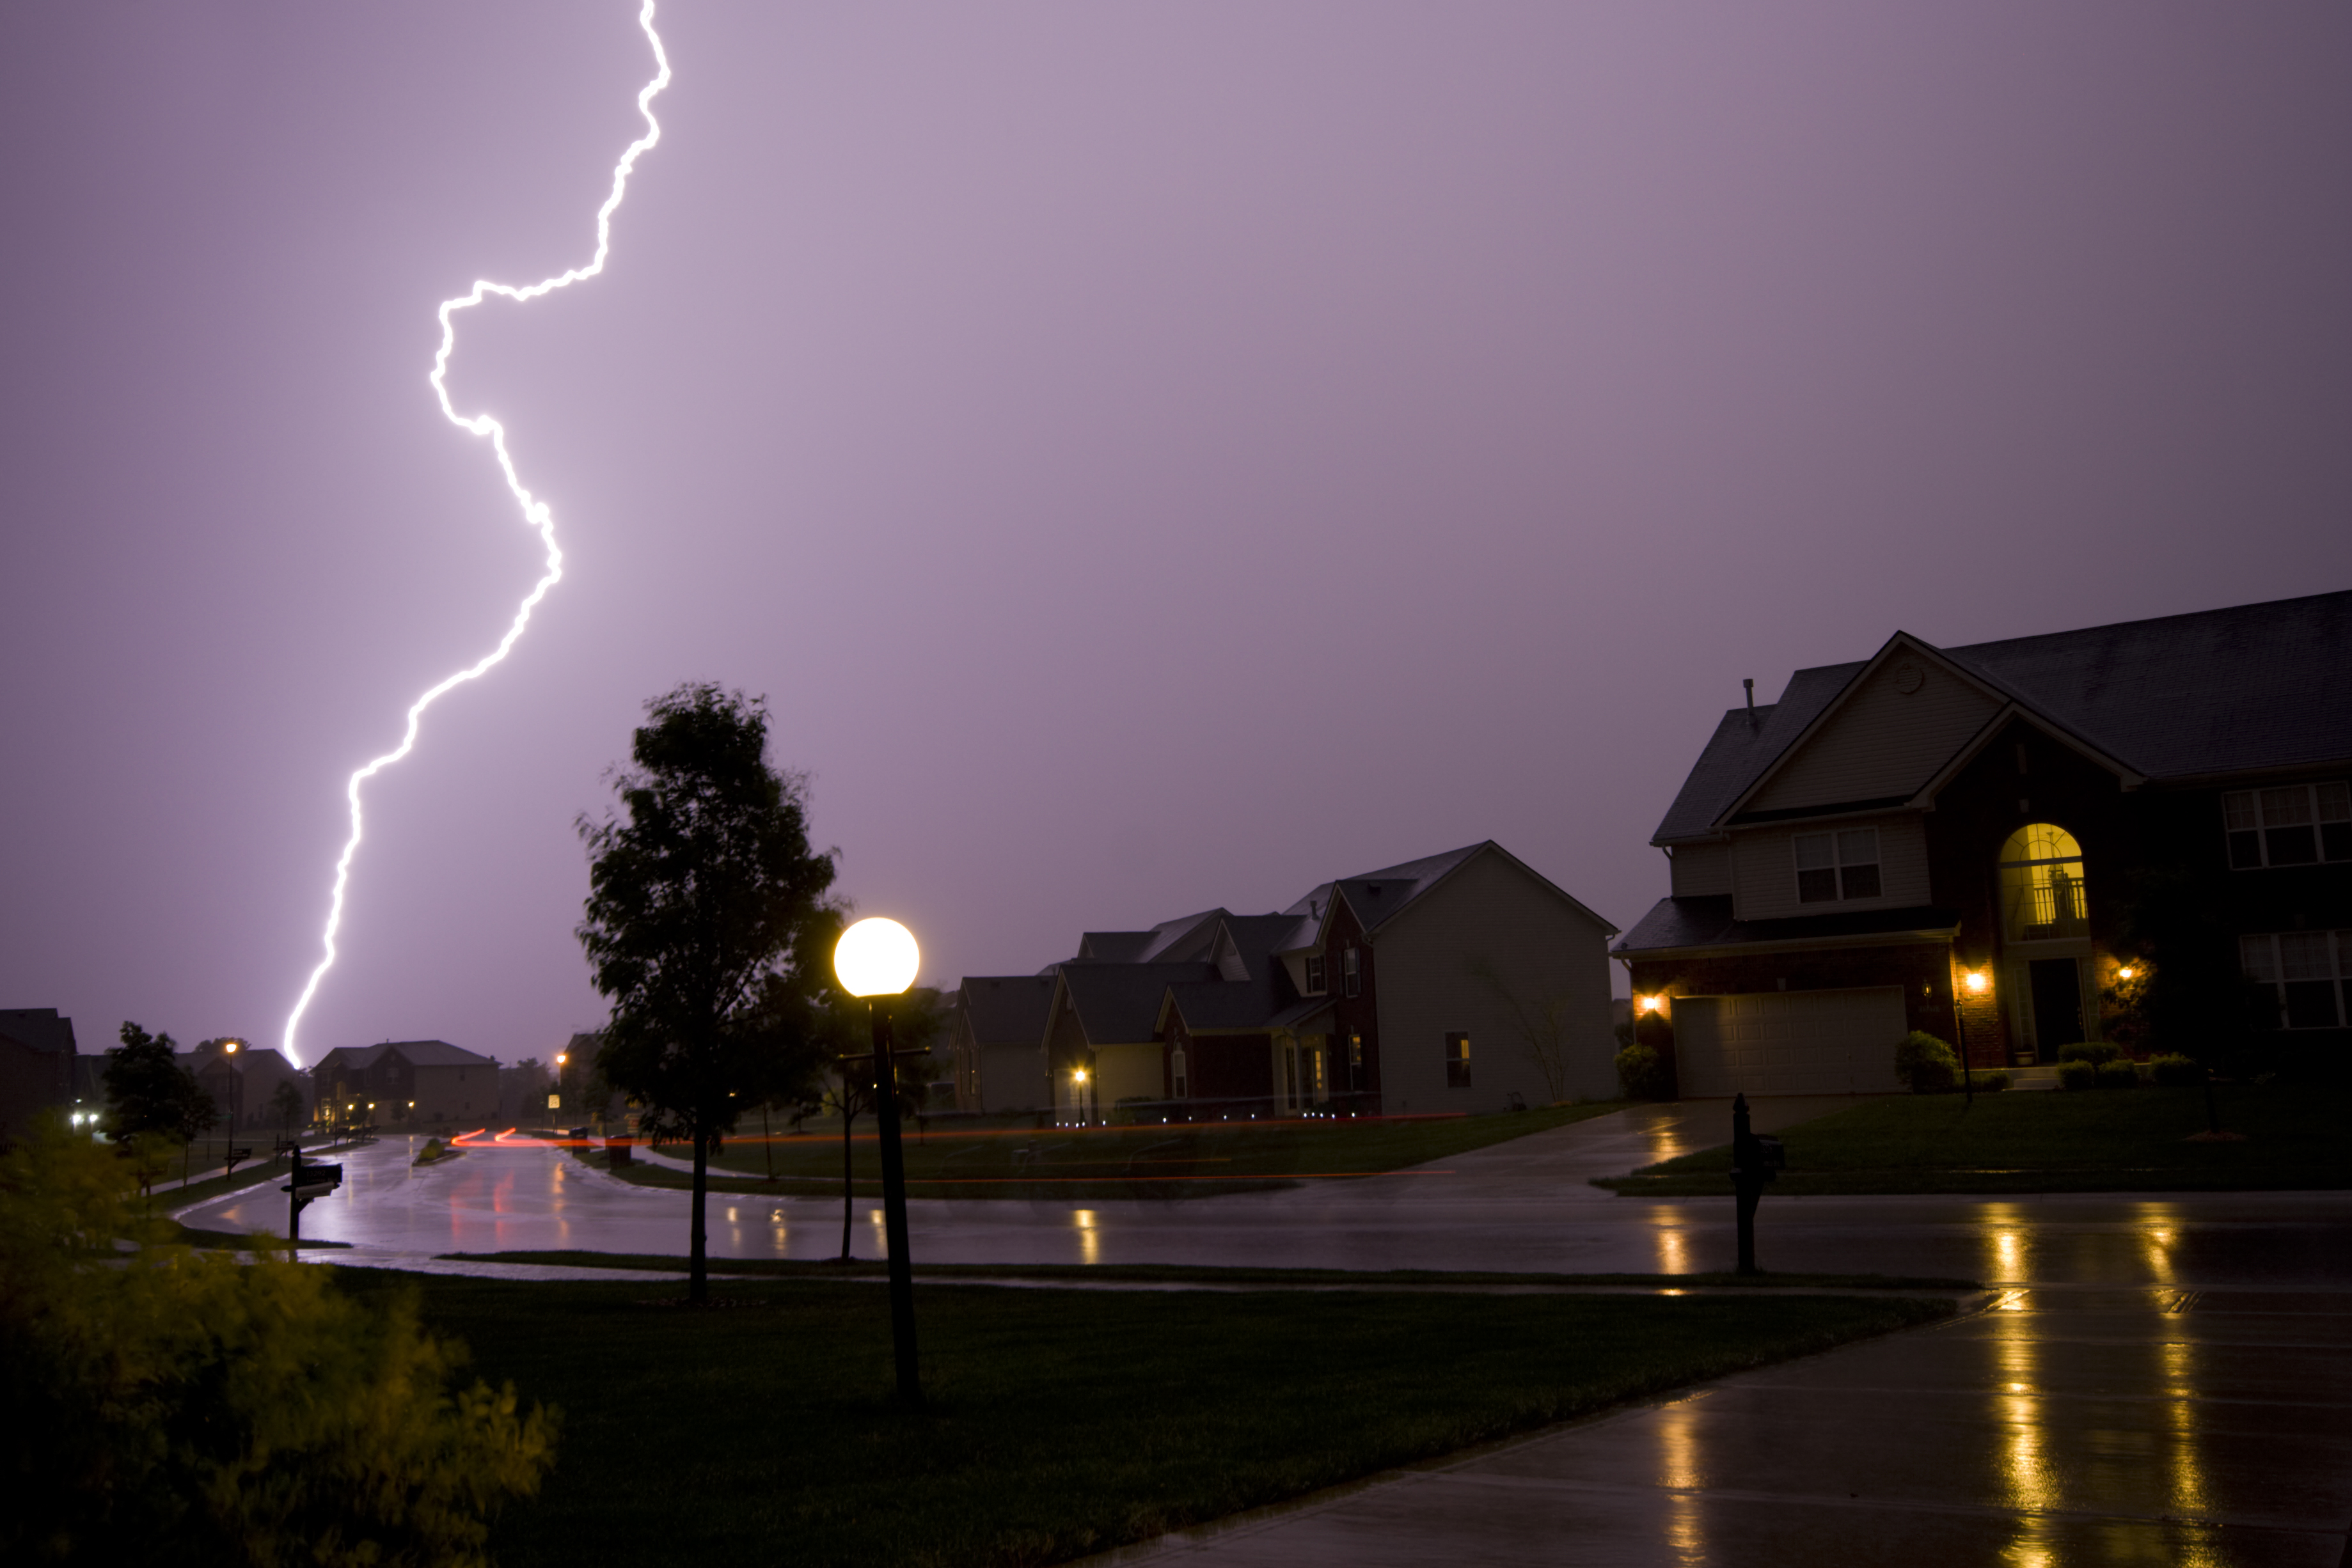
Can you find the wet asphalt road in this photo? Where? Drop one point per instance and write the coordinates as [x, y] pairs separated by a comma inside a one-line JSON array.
[[2157, 1379]]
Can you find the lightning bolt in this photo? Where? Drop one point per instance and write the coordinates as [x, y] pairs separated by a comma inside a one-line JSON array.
[[535, 512]]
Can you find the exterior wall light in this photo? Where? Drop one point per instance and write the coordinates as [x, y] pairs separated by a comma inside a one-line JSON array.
[[1651, 1004], [1079, 1076], [1979, 983]]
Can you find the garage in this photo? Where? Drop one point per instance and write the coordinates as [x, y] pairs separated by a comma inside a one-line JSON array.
[[1789, 1042]]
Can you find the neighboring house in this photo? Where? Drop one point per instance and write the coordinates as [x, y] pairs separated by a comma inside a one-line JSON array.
[[38, 1068], [1460, 982], [242, 1080], [992, 1039], [423, 1084], [1934, 822]]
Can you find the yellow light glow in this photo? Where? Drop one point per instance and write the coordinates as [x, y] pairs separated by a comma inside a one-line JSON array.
[[2124, 973], [1979, 981], [877, 958], [1079, 1076], [226, 1049]]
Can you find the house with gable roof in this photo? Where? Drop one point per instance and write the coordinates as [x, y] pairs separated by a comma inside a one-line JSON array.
[[1945, 839], [39, 1068], [1463, 981], [420, 1085]]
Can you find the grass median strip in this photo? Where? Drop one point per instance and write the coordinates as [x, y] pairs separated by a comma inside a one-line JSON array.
[[1061, 1422], [1165, 1161], [1211, 1275], [2132, 1140]]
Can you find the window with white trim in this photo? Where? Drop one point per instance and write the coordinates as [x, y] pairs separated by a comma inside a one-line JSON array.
[[1351, 973], [2296, 824], [1176, 1072], [1832, 866], [1316, 980], [2309, 972]]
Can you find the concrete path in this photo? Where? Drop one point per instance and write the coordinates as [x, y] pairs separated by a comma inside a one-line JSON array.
[[2060, 1427]]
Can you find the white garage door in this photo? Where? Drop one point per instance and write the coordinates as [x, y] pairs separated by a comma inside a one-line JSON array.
[[1789, 1042]]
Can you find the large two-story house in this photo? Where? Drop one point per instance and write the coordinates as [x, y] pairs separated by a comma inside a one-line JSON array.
[[1463, 981], [415, 1085], [1949, 840]]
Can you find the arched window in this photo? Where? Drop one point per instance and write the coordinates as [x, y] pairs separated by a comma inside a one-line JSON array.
[[2041, 891]]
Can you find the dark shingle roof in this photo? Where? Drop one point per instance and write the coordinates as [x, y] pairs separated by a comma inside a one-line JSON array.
[[1118, 1004], [2242, 689], [1376, 896], [1677, 923], [1007, 1009], [416, 1053]]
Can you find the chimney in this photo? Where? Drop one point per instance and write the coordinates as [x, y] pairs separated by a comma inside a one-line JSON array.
[[1750, 687]]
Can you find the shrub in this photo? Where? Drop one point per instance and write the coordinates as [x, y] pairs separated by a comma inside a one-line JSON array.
[[2175, 1071], [1643, 1074], [429, 1153], [1925, 1064], [1992, 1082], [166, 1404], [2121, 1073], [2078, 1075], [2091, 1050]]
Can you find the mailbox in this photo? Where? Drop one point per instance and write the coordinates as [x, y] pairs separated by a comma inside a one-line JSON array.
[[313, 1181]]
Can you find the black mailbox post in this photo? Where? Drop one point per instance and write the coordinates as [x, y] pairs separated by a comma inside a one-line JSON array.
[[1755, 1160], [303, 1184]]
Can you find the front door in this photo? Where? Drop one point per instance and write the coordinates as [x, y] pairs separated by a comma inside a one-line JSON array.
[[2057, 1005]]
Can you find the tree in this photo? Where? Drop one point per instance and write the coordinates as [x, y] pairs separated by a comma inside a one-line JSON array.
[[285, 1104], [1542, 1027], [165, 1405], [145, 1088], [847, 1030], [705, 927]]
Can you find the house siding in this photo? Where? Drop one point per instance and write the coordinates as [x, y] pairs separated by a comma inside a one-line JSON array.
[[1882, 742], [1541, 949], [1702, 871], [1765, 863]]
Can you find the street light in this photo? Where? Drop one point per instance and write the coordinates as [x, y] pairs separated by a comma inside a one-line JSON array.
[[877, 959]]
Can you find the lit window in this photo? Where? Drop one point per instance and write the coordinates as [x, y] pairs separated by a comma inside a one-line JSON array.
[[2042, 887], [2306, 979], [1831, 866], [2301, 824], [1350, 972], [1315, 972], [1457, 1062], [1355, 1051], [1176, 1072]]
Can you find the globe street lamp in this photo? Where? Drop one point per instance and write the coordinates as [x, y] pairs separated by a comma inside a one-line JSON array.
[[877, 959]]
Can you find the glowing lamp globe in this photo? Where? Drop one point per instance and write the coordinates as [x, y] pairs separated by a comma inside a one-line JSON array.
[[876, 958]]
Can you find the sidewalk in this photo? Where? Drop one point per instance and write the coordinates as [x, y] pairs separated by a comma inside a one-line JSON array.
[[2061, 1426]]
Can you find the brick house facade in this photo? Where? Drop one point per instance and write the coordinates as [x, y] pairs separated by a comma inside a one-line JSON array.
[[1956, 840]]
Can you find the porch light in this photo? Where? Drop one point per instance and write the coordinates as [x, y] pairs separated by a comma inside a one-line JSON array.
[[1978, 982], [1079, 1076], [2126, 973], [1651, 1004]]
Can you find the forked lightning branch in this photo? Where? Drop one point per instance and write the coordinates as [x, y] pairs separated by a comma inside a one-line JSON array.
[[535, 512]]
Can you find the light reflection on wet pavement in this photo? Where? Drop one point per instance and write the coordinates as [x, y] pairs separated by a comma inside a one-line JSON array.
[[2160, 1379]]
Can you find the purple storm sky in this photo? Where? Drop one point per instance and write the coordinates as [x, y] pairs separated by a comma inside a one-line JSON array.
[[1150, 456]]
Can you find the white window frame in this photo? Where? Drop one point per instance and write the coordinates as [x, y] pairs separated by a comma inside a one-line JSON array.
[[1351, 971], [1318, 974], [1177, 1076], [1839, 863], [2324, 805], [2266, 958]]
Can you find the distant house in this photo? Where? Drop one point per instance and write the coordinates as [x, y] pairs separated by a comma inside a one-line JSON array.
[[1463, 981], [243, 1080], [1947, 838], [37, 1067], [993, 1032], [425, 1085]]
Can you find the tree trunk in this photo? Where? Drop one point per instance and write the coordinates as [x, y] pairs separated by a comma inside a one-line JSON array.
[[768, 1140], [846, 1118], [698, 1278]]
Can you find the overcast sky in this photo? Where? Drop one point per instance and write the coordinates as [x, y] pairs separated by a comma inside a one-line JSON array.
[[1150, 456]]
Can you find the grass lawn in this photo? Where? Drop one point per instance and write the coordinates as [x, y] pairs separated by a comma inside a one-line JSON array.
[[2135, 1140], [1062, 1422], [1197, 1274], [1157, 1162]]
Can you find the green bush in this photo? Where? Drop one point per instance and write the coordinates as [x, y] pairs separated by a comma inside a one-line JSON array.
[[2091, 1050], [429, 1153], [2175, 1071], [1643, 1076], [166, 1404], [2121, 1073], [2078, 1075], [1925, 1064], [1992, 1082]]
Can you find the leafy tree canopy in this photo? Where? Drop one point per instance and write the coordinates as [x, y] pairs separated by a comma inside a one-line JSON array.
[[147, 1088]]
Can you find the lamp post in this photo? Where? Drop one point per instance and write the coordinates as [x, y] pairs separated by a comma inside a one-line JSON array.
[[877, 959]]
